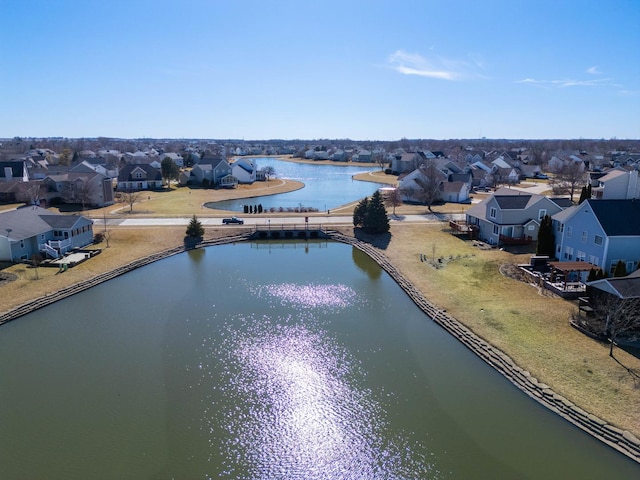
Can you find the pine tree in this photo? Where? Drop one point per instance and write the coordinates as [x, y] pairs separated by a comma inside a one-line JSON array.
[[546, 238], [195, 228], [584, 195], [375, 218], [620, 270], [359, 211]]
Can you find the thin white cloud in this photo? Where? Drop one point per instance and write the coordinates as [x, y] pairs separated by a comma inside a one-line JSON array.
[[595, 70], [440, 68], [600, 82]]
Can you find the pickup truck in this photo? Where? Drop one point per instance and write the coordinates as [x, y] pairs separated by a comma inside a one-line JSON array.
[[231, 220]]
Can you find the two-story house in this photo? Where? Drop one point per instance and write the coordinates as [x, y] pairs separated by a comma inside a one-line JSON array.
[[510, 216], [216, 171], [601, 232], [617, 183], [134, 177]]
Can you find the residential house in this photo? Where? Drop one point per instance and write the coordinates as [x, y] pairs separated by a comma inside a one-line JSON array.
[[216, 171], [30, 230], [91, 188], [618, 183], [13, 170], [601, 232], [510, 216], [244, 169], [133, 177], [404, 163]]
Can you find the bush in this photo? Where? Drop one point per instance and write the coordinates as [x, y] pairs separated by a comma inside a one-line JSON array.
[[98, 237]]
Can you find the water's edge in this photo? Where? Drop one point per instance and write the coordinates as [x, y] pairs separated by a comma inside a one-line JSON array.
[[621, 440]]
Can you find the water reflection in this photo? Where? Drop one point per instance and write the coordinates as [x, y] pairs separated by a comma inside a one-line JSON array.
[[302, 413], [364, 263]]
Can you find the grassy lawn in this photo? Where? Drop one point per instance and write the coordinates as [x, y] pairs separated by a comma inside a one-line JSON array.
[[532, 329]]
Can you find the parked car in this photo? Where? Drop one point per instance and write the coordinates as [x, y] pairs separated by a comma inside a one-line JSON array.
[[237, 220], [541, 176]]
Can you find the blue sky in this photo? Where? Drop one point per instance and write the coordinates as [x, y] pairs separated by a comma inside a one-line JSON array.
[[303, 69]]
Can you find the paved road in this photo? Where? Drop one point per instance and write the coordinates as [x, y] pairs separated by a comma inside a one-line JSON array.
[[274, 222]]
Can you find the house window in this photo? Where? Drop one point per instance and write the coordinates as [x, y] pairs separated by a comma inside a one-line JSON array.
[[138, 175], [541, 214], [630, 267], [598, 240], [593, 260], [580, 256], [496, 230], [568, 253], [493, 212], [585, 235], [21, 243], [531, 227], [569, 231]]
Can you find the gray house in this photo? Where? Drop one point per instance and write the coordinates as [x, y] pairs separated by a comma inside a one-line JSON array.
[[30, 230], [510, 216], [601, 232], [216, 171], [134, 177]]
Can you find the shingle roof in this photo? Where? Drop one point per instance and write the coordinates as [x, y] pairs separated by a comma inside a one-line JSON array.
[[26, 222], [617, 217], [512, 202]]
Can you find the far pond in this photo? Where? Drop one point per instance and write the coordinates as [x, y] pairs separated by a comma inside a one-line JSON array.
[[326, 187]]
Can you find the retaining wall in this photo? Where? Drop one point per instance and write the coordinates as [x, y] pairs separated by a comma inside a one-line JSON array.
[[621, 440]]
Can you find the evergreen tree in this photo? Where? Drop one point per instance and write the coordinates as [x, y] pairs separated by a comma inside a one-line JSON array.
[[583, 194], [620, 270], [375, 219], [546, 238], [195, 228], [359, 211], [592, 275]]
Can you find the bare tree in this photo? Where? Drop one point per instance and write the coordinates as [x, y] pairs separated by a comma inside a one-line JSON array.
[[394, 199], [568, 177], [429, 183], [614, 316], [36, 260], [269, 172], [130, 197], [409, 192], [30, 192]]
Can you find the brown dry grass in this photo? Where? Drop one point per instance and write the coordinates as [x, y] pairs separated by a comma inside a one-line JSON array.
[[532, 329]]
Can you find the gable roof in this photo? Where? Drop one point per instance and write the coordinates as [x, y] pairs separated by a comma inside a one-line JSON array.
[[623, 287], [512, 202], [26, 222], [617, 217], [152, 172]]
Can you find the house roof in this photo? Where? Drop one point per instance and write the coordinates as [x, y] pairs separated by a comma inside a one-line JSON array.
[[512, 202], [617, 217], [562, 202], [623, 287], [27, 222], [152, 172]]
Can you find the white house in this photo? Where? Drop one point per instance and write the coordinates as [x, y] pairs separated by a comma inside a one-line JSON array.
[[244, 169], [617, 183]]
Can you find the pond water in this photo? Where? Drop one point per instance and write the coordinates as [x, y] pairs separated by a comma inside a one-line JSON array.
[[265, 360], [326, 187]]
